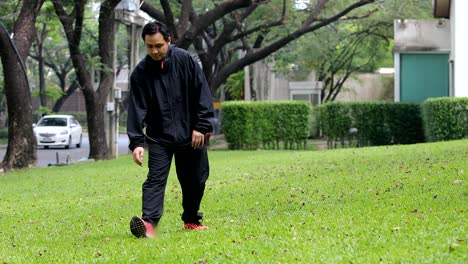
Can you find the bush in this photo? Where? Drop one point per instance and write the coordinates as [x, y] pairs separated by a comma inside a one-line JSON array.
[[445, 118], [335, 122], [4, 133], [253, 125], [371, 123], [405, 123]]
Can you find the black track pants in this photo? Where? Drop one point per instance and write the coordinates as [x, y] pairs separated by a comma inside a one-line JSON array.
[[192, 172]]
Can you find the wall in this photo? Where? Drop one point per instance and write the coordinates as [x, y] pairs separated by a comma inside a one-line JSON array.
[[367, 87], [418, 36], [459, 20], [364, 87], [266, 84], [422, 35]]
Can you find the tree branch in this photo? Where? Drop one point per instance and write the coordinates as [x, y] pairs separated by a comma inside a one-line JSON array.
[[186, 10], [209, 18], [153, 12], [264, 52], [169, 15]]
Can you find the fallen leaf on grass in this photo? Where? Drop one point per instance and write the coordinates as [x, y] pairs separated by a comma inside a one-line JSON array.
[[455, 182]]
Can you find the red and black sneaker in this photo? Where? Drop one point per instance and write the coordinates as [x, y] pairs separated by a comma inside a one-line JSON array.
[[195, 226], [141, 228]]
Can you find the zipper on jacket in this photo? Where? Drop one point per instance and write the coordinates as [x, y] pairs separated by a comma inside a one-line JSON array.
[[170, 98]]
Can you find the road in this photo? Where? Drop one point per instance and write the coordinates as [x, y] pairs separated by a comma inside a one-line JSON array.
[[47, 157]]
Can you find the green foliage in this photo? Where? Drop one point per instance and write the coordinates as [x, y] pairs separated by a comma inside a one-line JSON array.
[[327, 45], [4, 133], [335, 121], [235, 86], [405, 123], [253, 125], [371, 123], [53, 92], [445, 118], [9, 11], [96, 62], [398, 204], [43, 110]]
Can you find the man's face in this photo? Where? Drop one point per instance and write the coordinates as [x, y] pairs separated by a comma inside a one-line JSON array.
[[156, 46]]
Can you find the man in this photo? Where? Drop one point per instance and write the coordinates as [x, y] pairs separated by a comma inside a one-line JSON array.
[[170, 97]]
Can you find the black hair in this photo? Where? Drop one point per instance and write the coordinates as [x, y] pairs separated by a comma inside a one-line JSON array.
[[155, 27]]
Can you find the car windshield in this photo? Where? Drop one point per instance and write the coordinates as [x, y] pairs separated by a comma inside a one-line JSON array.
[[53, 122]]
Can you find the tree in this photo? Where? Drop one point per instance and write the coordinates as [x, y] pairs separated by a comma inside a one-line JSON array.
[[21, 150], [347, 46], [95, 99], [217, 31], [336, 53], [50, 51]]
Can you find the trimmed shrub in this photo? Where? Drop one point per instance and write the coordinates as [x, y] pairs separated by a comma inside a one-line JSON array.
[[253, 125], [445, 118], [335, 122], [371, 123], [405, 123], [4, 133]]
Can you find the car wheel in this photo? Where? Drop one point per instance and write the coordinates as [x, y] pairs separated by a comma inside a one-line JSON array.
[[79, 143], [69, 143]]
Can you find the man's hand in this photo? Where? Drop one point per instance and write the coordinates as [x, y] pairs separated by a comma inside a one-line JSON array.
[[138, 155], [198, 139]]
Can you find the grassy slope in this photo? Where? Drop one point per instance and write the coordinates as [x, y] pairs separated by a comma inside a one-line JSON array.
[[382, 204]]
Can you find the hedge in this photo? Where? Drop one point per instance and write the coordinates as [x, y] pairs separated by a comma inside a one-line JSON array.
[[371, 123], [254, 125], [445, 118]]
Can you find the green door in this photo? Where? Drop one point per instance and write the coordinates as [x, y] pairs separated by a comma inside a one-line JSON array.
[[423, 76]]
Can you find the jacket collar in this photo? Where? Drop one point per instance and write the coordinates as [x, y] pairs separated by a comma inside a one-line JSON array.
[[161, 64]]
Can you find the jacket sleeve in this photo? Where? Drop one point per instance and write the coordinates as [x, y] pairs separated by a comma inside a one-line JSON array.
[[205, 109], [136, 114]]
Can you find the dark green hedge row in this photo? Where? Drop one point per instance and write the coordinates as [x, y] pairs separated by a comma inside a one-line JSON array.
[[4, 133], [371, 123], [254, 125], [445, 118]]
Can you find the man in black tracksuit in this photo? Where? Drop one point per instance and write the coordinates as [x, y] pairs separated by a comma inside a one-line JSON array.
[[170, 97]]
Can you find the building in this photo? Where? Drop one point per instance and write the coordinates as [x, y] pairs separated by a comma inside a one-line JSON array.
[[455, 11], [431, 56]]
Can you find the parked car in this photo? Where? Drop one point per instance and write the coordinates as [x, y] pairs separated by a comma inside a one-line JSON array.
[[58, 130]]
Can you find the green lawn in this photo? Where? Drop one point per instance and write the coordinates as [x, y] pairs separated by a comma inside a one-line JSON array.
[[398, 204]]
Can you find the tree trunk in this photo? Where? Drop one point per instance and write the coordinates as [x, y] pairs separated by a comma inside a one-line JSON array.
[[41, 65], [41, 72], [21, 150], [95, 117], [95, 99]]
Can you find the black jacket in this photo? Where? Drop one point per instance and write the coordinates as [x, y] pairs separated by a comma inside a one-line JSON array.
[[171, 98]]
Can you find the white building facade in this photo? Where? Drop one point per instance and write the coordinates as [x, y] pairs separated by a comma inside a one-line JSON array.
[[456, 11]]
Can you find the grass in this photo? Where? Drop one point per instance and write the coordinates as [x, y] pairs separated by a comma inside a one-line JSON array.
[[398, 204]]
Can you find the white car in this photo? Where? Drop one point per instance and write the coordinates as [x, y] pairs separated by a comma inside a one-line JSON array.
[[58, 130]]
